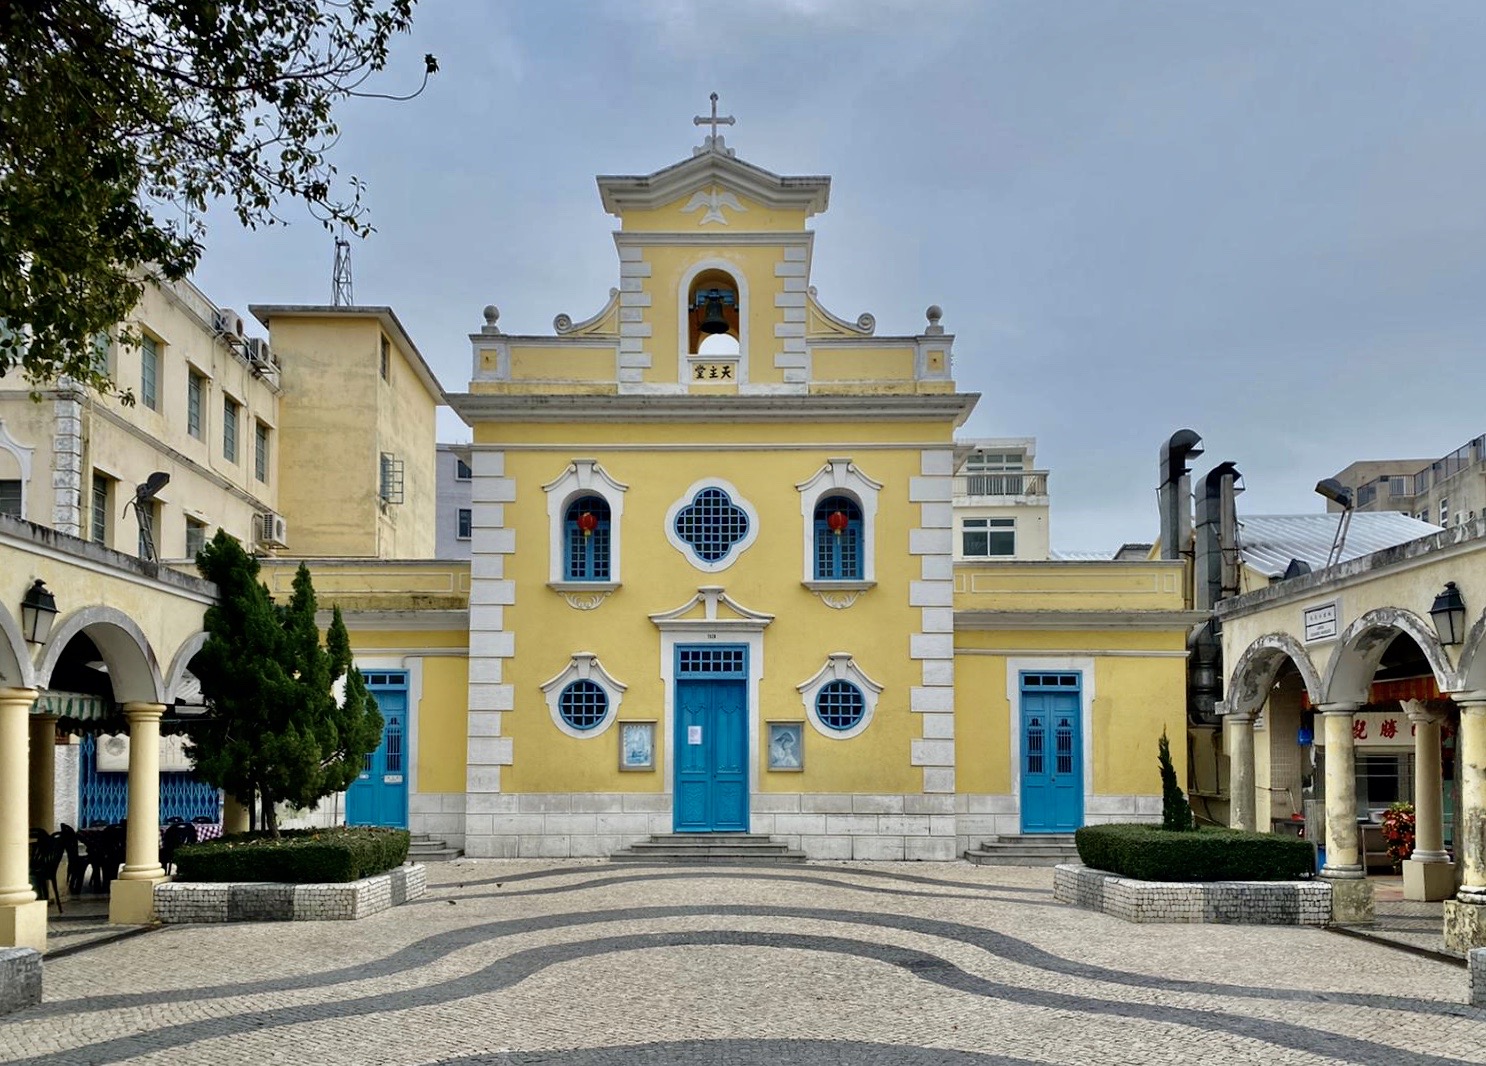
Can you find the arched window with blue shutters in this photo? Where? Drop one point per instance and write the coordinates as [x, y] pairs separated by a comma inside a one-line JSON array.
[[583, 704], [838, 539], [840, 705], [586, 540]]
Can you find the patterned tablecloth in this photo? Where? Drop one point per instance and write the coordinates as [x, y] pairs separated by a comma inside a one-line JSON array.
[[204, 831]]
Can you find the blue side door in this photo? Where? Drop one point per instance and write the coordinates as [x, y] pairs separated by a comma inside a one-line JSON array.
[[379, 795], [711, 741], [1052, 757]]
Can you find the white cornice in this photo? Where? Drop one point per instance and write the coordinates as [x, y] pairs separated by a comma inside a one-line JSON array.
[[641, 238], [509, 407], [710, 596], [620, 192], [1078, 620]]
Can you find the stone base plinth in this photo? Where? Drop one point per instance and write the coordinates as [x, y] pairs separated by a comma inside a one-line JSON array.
[[131, 902], [20, 979], [1428, 881], [1215, 902], [1465, 925], [23, 925], [1351, 900], [180, 902], [1477, 962]]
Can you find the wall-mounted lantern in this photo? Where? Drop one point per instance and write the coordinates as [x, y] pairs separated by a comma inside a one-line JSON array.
[[38, 611], [1448, 614]]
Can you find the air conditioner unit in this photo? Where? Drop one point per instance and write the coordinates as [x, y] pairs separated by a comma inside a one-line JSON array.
[[229, 324], [273, 530], [260, 357]]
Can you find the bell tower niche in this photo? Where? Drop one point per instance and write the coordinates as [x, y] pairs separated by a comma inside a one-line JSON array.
[[713, 314]]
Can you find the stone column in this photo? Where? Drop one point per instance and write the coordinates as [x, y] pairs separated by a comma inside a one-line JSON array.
[[1465, 915], [1351, 893], [22, 915], [43, 772], [234, 815], [1428, 874], [1238, 739], [131, 899]]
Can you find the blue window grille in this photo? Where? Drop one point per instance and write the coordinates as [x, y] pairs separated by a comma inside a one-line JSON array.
[[1063, 746], [712, 523], [586, 554], [838, 551], [583, 704], [1035, 748], [103, 795], [712, 662], [840, 705]]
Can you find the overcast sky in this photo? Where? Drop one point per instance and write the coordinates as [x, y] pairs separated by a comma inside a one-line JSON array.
[[1262, 221]]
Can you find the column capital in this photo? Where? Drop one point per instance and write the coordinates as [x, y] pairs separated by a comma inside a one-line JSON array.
[[1419, 713], [143, 712], [1241, 717], [1473, 702], [1340, 707], [18, 695]]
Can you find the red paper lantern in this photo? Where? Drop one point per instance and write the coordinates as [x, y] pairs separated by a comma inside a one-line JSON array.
[[836, 521], [587, 522]]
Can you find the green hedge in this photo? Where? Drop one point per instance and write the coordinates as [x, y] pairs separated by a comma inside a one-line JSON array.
[[299, 856], [1150, 853]]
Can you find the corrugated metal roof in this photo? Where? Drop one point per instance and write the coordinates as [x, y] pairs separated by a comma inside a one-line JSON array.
[[1269, 542]]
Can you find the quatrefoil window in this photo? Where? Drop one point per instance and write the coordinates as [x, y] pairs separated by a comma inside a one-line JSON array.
[[712, 524]]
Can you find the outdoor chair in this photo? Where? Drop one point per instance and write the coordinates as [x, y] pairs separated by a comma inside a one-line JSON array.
[[77, 858], [204, 819], [175, 835], [46, 856]]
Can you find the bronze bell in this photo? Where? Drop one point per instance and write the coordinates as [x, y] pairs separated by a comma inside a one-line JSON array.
[[713, 320]]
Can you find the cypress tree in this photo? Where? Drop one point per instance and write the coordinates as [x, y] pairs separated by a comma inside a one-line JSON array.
[[1176, 812]]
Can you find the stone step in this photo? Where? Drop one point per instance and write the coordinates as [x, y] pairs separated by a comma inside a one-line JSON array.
[[1007, 858], [1027, 849], [709, 847], [426, 848]]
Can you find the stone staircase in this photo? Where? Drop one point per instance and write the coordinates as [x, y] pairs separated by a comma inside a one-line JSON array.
[[1037, 849], [748, 849], [426, 848]]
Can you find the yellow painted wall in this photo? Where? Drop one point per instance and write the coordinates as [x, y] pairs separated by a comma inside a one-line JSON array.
[[563, 363], [1134, 698], [755, 218], [406, 427], [864, 363], [1068, 586], [657, 577]]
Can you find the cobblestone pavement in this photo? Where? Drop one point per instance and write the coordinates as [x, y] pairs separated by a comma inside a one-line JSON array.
[[592, 964]]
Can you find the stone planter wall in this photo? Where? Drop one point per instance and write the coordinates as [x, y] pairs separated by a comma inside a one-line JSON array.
[[1218, 902], [20, 979], [179, 902]]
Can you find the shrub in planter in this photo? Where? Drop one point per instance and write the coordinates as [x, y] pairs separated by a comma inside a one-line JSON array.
[[1398, 831], [299, 856], [1150, 853]]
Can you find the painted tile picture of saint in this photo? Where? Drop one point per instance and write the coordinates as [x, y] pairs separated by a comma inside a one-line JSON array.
[[637, 745], [786, 747]]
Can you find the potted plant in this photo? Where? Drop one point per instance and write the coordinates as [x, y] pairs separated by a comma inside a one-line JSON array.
[[1398, 831]]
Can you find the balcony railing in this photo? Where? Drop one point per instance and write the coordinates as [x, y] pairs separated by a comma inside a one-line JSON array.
[[1016, 483]]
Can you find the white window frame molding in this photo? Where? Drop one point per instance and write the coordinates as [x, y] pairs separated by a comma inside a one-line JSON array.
[[839, 476], [683, 325], [839, 666], [583, 666], [687, 498], [583, 477], [23, 461]]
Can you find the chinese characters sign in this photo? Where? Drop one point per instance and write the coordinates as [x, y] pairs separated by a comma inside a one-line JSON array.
[[1384, 729]]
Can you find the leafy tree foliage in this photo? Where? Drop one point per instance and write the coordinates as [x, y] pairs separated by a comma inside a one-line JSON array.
[[120, 120], [274, 727]]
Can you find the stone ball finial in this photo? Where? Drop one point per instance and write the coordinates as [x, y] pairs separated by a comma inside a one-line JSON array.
[[492, 314], [934, 314]]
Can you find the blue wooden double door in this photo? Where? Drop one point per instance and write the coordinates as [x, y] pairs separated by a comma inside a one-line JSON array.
[[379, 795], [1052, 764], [711, 739]]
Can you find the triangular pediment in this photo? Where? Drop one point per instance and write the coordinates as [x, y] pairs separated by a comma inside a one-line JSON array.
[[700, 173]]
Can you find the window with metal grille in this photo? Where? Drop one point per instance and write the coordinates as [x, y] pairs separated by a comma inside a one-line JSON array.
[[712, 662], [1063, 746], [149, 372], [838, 539], [840, 705], [1049, 681], [391, 489], [393, 751], [260, 451], [1034, 745], [230, 408], [585, 534], [10, 497], [195, 388], [466, 524], [583, 704], [711, 524]]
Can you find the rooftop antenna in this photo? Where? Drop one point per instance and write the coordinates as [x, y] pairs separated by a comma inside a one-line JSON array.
[[340, 275], [1337, 493]]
